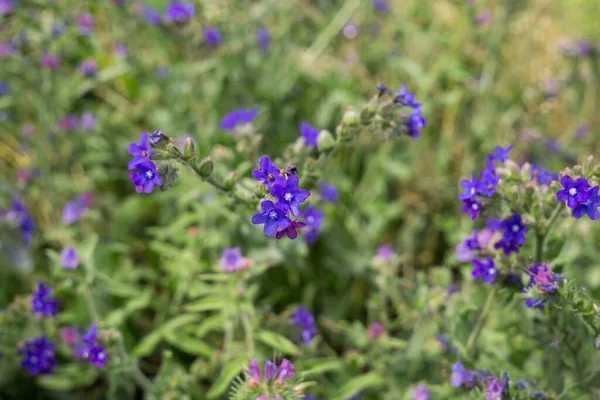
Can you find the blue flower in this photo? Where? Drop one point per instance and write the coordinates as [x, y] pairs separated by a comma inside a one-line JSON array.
[[88, 122], [590, 207], [311, 236], [212, 36], [382, 89], [273, 217], [544, 281], [471, 188], [485, 270], [238, 117], [263, 38], [19, 215], [291, 231], [414, 123], [90, 349], [140, 151], [86, 23], [406, 98], [381, 5], [489, 182], [493, 389], [289, 196], [152, 16], [180, 12], [39, 357], [500, 154], [232, 260], [472, 206], [4, 89], [89, 68], [542, 176], [42, 303], [6, 6], [145, 177], [69, 258], [309, 133], [573, 192], [156, 137], [329, 193], [514, 235], [268, 173], [421, 392], [304, 318], [461, 376], [74, 210]]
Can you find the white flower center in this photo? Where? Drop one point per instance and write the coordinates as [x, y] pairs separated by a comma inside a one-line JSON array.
[[516, 228], [572, 191], [472, 190], [101, 356], [33, 359], [149, 174], [273, 214], [474, 206], [492, 271], [310, 220], [288, 197]]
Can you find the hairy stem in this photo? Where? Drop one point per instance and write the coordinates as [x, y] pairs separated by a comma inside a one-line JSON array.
[[481, 321], [541, 236]]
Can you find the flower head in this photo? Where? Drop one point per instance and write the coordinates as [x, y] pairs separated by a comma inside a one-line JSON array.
[[151, 15], [493, 389], [156, 137], [69, 122], [75, 209], [473, 207], [542, 176], [88, 121], [121, 49], [145, 177], [232, 260], [415, 122], [376, 330], [329, 192], [500, 154], [140, 151], [461, 376], [382, 89], [20, 216], [292, 230], [309, 133], [180, 11], [514, 235], [273, 217], [50, 61], [304, 318], [263, 38], [485, 270], [421, 392], [314, 217], [272, 372], [385, 252], [289, 196], [590, 207], [406, 98], [484, 18], [86, 23], [89, 67], [90, 349], [212, 36], [268, 173], [38, 356], [6, 6], [236, 118], [381, 6], [544, 281], [42, 303], [574, 192], [69, 259]]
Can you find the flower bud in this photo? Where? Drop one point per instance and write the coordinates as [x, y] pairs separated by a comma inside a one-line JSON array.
[[189, 149], [325, 140], [351, 117], [230, 181], [206, 167], [173, 150]]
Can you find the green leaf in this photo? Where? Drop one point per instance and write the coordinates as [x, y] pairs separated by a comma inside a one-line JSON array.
[[277, 342], [150, 341], [207, 304], [319, 366], [229, 371], [355, 385], [59, 383], [117, 317], [189, 344]]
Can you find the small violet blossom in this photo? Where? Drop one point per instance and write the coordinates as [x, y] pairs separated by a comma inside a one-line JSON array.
[[180, 11], [309, 133], [42, 303], [289, 196], [212, 36], [38, 356], [273, 217], [232, 260], [237, 118], [69, 259], [329, 193], [304, 318]]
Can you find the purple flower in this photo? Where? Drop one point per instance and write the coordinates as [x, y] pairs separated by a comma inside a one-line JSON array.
[[543, 280], [140, 151], [145, 177], [20, 216], [472, 206], [42, 303], [121, 49], [69, 122], [39, 358], [263, 38], [50, 61], [485, 270], [376, 330], [421, 392], [69, 258], [382, 89], [212, 36], [489, 182], [285, 371], [314, 217], [6, 50], [385, 252], [289, 196], [443, 340], [329, 192], [514, 235], [414, 123], [381, 6], [180, 12], [90, 349], [406, 98], [270, 370], [582, 131], [542, 176], [471, 188], [500, 154], [304, 318], [6, 6], [58, 29], [461, 376], [69, 336], [281, 373], [232, 260], [89, 68], [273, 217], [574, 192], [311, 236], [156, 137], [292, 230], [484, 18], [254, 371], [152, 16], [75, 209], [493, 389], [239, 117], [86, 23], [309, 133], [88, 121], [590, 207], [268, 173], [4, 89]]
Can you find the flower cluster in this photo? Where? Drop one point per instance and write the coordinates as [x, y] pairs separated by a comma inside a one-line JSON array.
[[142, 170], [462, 377], [283, 186], [513, 237], [413, 122], [580, 196], [238, 118], [544, 281], [19, 215], [42, 303], [304, 318], [89, 348], [232, 260], [180, 12], [485, 186], [485, 270], [272, 373], [542, 176], [496, 389], [39, 357]]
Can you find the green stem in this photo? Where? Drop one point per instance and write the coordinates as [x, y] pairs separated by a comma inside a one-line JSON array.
[[541, 236], [137, 374], [91, 305], [481, 321], [214, 182], [249, 334]]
